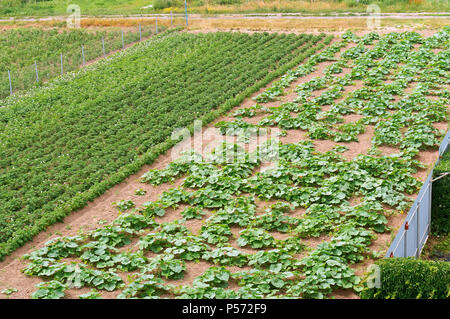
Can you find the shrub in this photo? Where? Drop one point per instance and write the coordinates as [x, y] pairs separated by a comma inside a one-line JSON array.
[[408, 278]]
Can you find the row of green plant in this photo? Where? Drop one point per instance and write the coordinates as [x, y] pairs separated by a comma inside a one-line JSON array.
[[276, 270], [406, 124], [66, 143]]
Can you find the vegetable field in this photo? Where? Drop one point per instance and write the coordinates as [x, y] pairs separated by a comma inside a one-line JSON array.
[[21, 48], [67, 143], [300, 216]]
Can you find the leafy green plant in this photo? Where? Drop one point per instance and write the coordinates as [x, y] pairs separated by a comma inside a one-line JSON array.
[[216, 234], [258, 283], [50, 290], [123, 205], [275, 260], [93, 294], [192, 213], [9, 291], [226, 256], [255, 238], [213, 277], [144, 286], [140, 192], [166, 266]]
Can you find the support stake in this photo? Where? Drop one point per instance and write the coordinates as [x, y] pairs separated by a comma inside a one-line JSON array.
[[185, 11], [35, 68], [82, 53], [10, 84], [62, 71], [103, 46]]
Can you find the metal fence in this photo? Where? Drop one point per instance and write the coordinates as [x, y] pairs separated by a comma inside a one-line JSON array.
[[415, 230]]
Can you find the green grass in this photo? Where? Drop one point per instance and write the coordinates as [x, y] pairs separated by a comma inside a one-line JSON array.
[[103, 7], [437, 247], [58, 7]]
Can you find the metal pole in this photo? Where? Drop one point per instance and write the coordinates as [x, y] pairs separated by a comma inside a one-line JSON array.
[[103, 46], [82, 53], [171, 18], [417, 230], [10, 84], [37, 76], [62, 71], [156, 25], [185, 11], [140, 33], [123, 43], [405, 247], [430, 198]]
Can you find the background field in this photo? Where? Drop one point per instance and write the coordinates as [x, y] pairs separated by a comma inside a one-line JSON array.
[[33, 55]]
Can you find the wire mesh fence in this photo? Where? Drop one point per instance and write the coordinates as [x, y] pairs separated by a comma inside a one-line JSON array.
[[414, 232], [26, 77]]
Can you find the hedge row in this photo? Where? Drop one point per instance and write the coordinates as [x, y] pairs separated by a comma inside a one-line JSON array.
[[409, 278]]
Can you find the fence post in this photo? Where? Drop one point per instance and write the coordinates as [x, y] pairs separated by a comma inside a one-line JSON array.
[[103, 46], [140, 33], [35, 68], [405, 247], [62, 71], [185, 11], [430, 198], [10, 84], [171, 19], [417, 230], [82, 53], [156, 25], [123, 43]]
